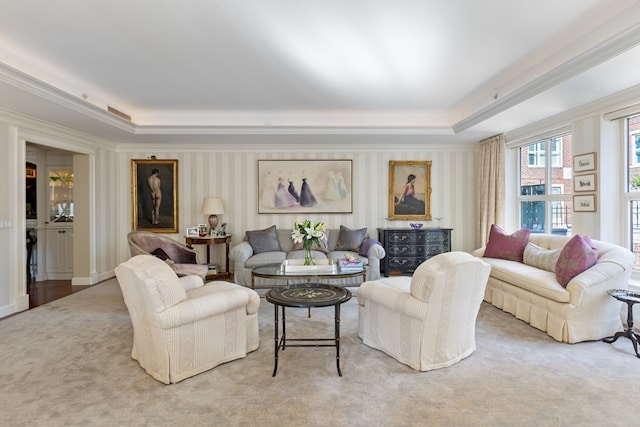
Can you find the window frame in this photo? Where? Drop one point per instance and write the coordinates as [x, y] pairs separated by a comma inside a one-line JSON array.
[[629, 195], [549, 198]]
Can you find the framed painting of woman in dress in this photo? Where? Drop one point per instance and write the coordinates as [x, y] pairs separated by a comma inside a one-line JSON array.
[[410, 190], [301, 186]]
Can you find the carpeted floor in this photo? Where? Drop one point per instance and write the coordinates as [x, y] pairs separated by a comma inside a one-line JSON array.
[[68, 364]]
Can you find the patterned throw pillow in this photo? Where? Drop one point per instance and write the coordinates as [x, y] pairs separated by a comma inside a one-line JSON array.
[[323, 247], [506, 246], [542, 258], [350, 240], [577, 255], [264, 240]]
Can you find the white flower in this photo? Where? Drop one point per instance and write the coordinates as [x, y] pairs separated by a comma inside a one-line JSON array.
[[306, 230]]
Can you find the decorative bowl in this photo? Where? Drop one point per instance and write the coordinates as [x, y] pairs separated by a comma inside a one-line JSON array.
[[415, 225]]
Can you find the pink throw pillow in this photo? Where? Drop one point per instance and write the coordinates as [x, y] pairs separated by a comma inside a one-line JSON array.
[[577, 255], [506, 246]]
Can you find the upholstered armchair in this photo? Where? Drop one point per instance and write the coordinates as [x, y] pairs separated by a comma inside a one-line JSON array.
[[183, 260], [182, 327], [426, 321]]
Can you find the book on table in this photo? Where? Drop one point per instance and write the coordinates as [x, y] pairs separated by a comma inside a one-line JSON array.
[[350, 264]]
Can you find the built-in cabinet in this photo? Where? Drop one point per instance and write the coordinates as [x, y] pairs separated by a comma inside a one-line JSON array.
[[58, 255], [407, 248], [59, 251], [60, 193]]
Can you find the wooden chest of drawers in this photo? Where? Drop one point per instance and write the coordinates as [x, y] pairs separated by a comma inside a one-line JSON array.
[[407, 248]]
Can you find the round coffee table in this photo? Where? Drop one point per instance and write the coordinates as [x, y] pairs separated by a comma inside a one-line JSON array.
[[629, 298], [307, 296]]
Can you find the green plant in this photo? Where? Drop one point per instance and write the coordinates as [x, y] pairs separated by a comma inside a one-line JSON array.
[[635, 181]]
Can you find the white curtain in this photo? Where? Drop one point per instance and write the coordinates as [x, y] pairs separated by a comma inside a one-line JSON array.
[[490, 186]]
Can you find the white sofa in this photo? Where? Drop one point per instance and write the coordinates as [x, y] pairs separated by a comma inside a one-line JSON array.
[[182, 327], [243, 260], [582, 311]]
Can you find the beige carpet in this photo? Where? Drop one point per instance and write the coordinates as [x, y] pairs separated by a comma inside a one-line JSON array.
[[68, 363]]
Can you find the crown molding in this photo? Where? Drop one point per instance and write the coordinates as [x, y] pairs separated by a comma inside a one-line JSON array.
[[292, 130], [60, 137], [602, 52], [601, 106], [20, 80]]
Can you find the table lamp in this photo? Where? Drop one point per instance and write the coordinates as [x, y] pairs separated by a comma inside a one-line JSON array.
[[212, 206]]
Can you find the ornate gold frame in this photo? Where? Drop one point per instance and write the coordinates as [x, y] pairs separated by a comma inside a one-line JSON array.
[[399, 172], [141, 203]]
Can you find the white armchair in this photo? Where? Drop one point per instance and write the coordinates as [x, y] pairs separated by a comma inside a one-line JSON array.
[[182, 327], [426, 321]]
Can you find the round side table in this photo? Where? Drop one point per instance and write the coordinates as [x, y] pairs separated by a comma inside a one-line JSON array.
[[629, 298]]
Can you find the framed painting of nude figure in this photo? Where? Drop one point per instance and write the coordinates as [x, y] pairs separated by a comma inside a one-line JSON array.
[[304, 186], [410, 190], [154, 191]]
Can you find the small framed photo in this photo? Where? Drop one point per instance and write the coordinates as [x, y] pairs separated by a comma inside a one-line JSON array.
[[192, 231], [584, 182], [584, 162], [585, 203]]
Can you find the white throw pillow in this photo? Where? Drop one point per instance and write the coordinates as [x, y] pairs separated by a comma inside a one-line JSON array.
[[539, 257]]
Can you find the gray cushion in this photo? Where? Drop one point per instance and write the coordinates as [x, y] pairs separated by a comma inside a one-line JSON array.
[[264, 240], [350, 240]]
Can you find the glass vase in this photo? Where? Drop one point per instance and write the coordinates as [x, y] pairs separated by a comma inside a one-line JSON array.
[[308, 258]]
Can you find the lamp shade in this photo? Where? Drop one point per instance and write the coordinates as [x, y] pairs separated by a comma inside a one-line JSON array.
[[212, 207]]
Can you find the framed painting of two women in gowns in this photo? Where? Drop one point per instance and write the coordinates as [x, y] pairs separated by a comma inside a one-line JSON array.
[[304, 186], [410, 190]]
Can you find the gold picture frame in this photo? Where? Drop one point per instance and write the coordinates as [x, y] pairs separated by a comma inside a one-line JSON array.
[[584, 162], [161, 177], [584, 203], [410, 190], [585, 183]]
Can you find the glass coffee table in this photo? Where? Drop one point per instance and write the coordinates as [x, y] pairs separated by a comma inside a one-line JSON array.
[[307, 296], [277, 272]]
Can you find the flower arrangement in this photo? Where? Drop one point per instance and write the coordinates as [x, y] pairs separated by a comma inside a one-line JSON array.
[[308, 234]]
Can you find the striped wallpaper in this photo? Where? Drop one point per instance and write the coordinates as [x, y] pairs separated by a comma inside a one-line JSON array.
[[232, 176]]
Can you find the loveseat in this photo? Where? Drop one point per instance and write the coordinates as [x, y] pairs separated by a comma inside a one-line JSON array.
[[531, 290], [273, 245]]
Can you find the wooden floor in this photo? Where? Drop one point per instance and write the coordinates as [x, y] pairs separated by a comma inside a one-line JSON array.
[[43, 292]]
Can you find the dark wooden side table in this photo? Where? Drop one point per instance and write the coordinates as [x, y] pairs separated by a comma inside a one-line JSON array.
[[629, 298], [307, 296], [209, 241]]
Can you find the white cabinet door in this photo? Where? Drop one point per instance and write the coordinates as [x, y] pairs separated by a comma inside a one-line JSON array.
[[59, 253]]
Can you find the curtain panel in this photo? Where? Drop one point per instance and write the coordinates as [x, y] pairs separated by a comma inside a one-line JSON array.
[[490, 185]]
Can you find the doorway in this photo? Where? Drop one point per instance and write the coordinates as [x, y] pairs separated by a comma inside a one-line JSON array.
[[57, 241]]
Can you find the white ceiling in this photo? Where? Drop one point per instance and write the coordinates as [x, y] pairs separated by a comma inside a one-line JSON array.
[[190, 70]]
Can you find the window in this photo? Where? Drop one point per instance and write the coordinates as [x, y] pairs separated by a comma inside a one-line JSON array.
[[632, 194], [536, 153], [546, 185]]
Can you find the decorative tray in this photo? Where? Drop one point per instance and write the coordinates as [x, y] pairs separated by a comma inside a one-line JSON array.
[[297, 266]]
